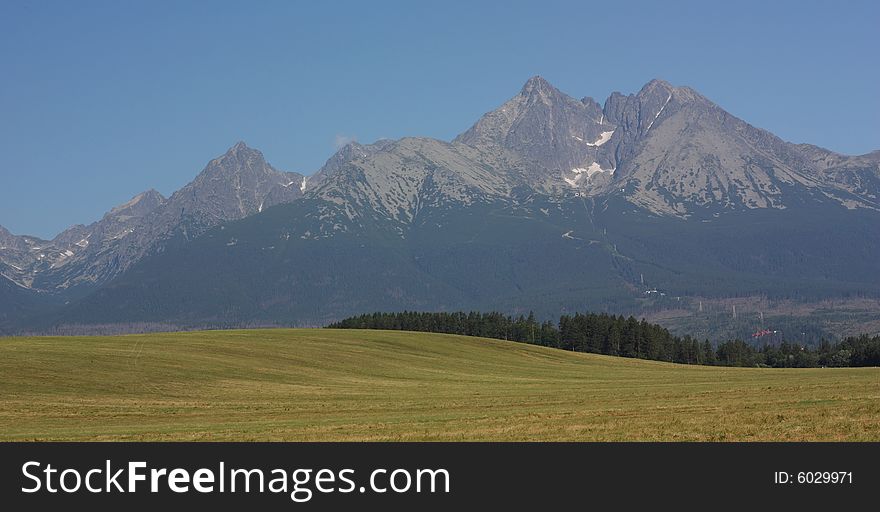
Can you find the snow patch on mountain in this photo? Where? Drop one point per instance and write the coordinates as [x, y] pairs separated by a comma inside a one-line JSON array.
[[659, 112], [588, 172], [603, 138]]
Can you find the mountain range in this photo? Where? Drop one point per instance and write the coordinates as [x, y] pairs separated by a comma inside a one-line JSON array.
[[547, 203]]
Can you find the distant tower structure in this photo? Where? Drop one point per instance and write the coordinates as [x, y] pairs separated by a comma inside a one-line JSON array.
[[734, 311], [642, 277], [701, 306], [762, 319]]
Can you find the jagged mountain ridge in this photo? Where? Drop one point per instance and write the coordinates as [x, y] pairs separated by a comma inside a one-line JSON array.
[[396, 182], [233, 186], [26, 260], [662, 152], [541, 253], [665, 149], [544, 126], [669, 150]]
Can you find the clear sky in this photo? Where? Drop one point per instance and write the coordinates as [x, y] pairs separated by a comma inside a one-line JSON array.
[[102, 100]]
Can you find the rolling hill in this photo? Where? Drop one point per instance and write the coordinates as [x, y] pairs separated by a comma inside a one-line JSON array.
[[325, 385]]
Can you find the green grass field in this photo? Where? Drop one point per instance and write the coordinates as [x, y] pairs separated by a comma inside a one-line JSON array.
[[328, 385]]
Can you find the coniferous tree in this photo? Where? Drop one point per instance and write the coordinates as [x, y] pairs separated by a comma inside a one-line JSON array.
[[616, 335]]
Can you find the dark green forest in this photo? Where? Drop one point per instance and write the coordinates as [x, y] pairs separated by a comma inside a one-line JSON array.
[[626, 337], [265, 270]]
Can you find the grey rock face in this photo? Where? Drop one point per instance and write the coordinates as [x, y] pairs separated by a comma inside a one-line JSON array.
[[345, 155], [545, 126], [677, 152], [394, 182], [232, 186], [30, 261], [10, 242], [666, 149], [17, 256], [285, 192], [856, 175]]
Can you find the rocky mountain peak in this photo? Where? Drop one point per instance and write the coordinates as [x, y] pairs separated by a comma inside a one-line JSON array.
[[544, 125], [592, 104], [241, 167], [352, 149], [664, 148], [150, 195], [231, 186], [240, 146], [140, 204], [240, 157], [537, 85], [9, 242], [655, 84], [678, 152], [638, 112], [345, 155]]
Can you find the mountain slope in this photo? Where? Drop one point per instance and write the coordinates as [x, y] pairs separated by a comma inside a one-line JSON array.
[[395, 184], [540, 254], [544, 126], [669, 150], [687, 154], [79, 252], [18, 303], [232, 186], [547, 203]]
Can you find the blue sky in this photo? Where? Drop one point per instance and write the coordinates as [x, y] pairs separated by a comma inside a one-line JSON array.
[[102, 100]]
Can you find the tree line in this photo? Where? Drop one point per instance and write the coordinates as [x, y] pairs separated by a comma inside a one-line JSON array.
[[602, 333]]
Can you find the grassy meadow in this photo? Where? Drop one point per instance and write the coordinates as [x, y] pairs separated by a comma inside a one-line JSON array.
[[334, 385]]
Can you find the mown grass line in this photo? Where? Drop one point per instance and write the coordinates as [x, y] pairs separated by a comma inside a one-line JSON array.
[[328, 385]]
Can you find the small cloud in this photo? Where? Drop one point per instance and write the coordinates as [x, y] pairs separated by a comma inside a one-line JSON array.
[[343, 140]]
